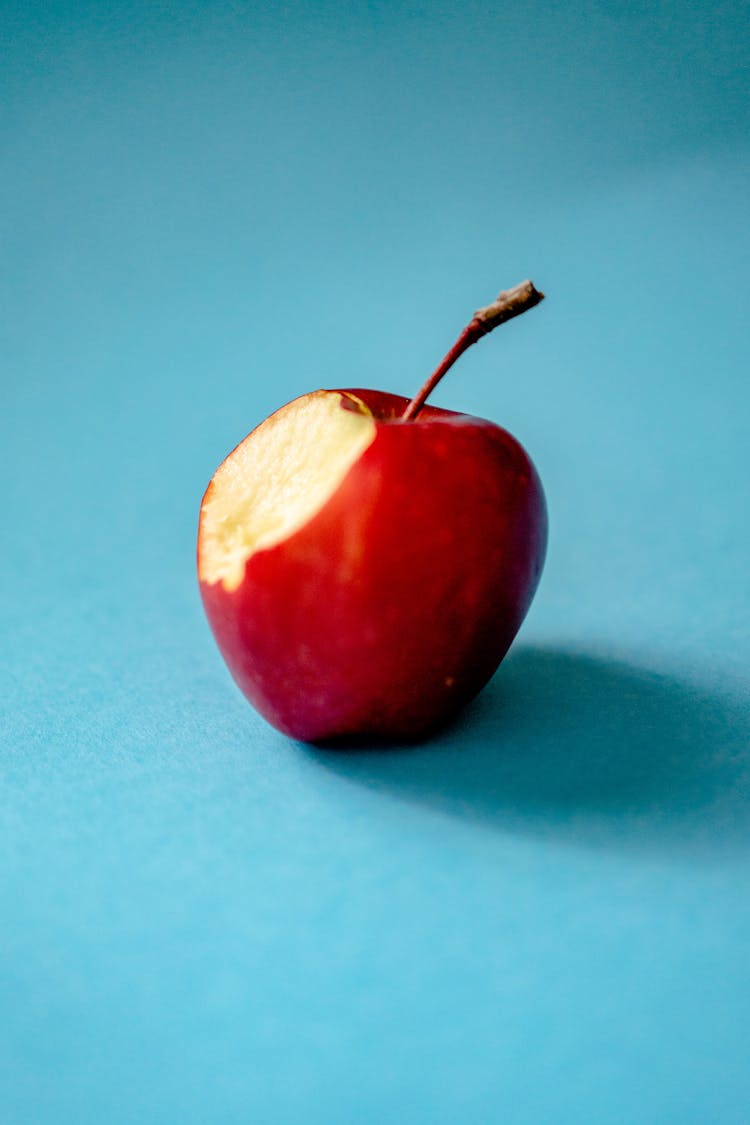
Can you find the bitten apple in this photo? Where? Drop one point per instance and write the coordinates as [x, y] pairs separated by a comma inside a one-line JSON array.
[[365, 561]]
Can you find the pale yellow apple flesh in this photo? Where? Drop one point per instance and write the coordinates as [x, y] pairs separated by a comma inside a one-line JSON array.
[[277, 479]]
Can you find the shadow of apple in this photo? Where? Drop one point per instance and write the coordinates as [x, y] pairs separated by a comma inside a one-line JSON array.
[[566, 744]]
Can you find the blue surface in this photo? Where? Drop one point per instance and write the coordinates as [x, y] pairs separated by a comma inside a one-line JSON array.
[[544, 915]]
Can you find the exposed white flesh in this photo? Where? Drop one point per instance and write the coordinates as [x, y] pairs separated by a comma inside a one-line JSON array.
[[277, 479]]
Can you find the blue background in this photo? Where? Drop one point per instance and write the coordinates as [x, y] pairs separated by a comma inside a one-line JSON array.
[[544, 914]]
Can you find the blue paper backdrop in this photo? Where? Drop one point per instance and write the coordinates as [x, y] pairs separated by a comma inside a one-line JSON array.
[[542, 916]]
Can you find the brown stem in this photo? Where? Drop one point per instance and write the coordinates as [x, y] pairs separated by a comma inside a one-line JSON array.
[[509, 303]]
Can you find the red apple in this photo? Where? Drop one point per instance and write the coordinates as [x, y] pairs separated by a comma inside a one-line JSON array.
[[365, 562]]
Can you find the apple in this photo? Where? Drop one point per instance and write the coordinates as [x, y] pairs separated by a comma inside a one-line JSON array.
[[366, 560]]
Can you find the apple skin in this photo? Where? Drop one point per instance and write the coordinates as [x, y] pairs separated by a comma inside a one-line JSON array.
[[394, 604]]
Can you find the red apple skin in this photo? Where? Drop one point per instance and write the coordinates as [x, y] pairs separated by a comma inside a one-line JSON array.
[[393, 606]]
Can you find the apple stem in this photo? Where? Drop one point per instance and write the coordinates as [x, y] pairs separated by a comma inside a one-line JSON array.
[[509, 303]]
